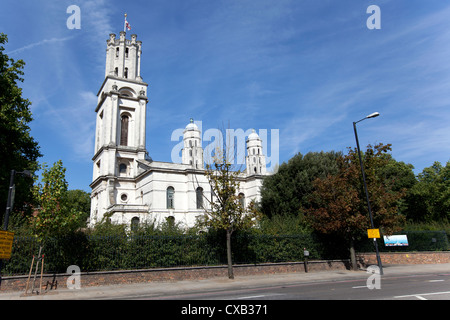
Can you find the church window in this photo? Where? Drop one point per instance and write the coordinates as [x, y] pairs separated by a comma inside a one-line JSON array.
[[124, 130], [241, 197], [170, 221], [170, 195], [122, 168], [124, 197], [116, 72], [199, 196], [126, 52], [190, 153], [125, 74], [117, 52], [134, 223]]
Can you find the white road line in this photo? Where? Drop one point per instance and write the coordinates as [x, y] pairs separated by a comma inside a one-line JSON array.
[[260, 296], [419, 295], [359, 287], [436, 280]]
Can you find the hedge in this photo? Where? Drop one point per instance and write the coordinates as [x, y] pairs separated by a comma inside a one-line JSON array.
[[101, 253]]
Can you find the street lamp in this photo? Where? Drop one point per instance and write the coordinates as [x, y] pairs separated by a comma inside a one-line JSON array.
[[11, 194], [372, 115], [10, 203]]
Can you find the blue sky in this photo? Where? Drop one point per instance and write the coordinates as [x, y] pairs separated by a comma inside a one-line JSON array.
[[308, 68]]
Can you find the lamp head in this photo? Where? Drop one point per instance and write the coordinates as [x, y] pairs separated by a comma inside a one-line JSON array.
[[373, 115]]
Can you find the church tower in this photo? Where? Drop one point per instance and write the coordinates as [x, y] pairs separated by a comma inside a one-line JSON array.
[[255, 160], [192, 153], [120, 125]]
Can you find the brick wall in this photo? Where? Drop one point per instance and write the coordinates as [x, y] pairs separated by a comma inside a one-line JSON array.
[[18, 283], [405, 257]]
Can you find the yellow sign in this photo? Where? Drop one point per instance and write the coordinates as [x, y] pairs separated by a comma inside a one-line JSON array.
[[6, 242], [373, 233]]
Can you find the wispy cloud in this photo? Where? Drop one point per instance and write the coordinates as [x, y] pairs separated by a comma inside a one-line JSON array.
[[40, 43], [75, 123]]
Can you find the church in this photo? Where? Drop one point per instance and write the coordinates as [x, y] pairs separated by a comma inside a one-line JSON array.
[[128, 187]]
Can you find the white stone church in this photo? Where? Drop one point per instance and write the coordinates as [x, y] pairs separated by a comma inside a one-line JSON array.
[[127, 184]]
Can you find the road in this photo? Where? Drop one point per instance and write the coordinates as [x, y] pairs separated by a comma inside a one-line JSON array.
[[435, 286]]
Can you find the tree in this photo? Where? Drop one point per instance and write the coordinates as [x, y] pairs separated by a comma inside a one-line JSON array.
[[429, 198], [227, 212], [19, 151], [54, 216], [79, 201], [287, 191], [338, 203]]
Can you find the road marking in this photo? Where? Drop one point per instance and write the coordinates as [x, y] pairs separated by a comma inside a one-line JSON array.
[[359, 287], [260, 296], [436, 280], [419, 295]]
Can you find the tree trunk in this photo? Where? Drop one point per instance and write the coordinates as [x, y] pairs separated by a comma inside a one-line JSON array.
[[353, 255], [230, 263]]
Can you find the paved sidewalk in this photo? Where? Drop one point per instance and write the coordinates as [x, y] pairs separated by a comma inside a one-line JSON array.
[[179, 287]]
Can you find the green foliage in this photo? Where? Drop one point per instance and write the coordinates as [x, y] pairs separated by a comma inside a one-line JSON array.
[[227, 211], [339, 201], [287, 191], [19, 151], [79, 201], [55, 215], [429, 198]]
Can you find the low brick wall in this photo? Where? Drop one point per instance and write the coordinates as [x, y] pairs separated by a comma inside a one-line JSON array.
[[18, 283], [426, 257]]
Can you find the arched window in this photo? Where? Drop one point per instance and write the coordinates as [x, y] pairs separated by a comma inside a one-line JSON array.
[[125, 75], [124, 130], [134, 223], [170, 196], [241, 197], [170, 221], [117, 52], [126, 52], [122, 169], [199, 196]]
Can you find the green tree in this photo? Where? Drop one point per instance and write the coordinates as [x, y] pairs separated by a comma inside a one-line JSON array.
[[18, 149], [227, 212], [54, 216], [338, 202], [79, 201], [287, 191], [429, 198]]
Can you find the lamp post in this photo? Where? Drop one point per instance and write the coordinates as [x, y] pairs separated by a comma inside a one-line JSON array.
[[373, 115], [10, 204], [11, 194]]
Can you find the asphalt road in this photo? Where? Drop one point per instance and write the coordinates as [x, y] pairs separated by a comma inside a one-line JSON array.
[[435, 286]]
